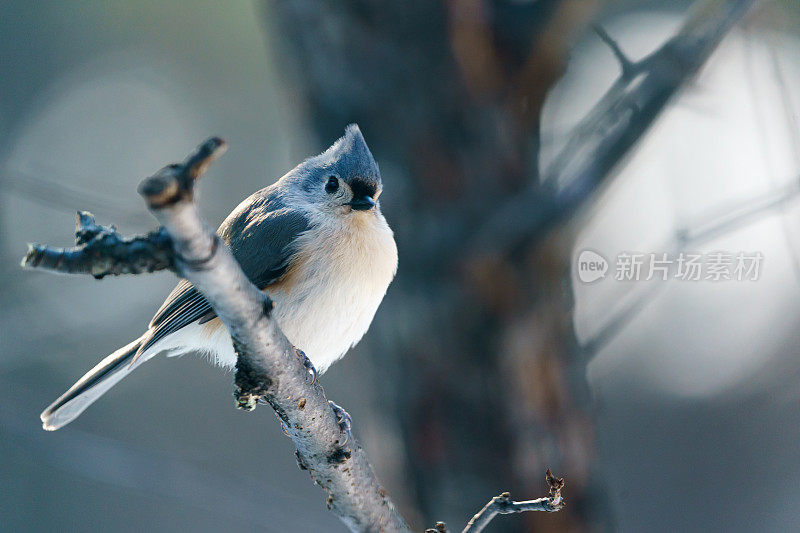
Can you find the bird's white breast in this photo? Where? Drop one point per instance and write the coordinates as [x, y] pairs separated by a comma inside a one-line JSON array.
[[326, 300]]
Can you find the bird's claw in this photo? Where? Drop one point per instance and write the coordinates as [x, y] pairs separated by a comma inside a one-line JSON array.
[[307, 363], [343, 419]]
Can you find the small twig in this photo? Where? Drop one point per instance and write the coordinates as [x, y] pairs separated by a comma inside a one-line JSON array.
[[628, 67], [504, 505], [175, 182], [101, 251]]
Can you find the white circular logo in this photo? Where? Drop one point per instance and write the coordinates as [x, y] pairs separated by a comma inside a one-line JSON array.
[[591, 266]]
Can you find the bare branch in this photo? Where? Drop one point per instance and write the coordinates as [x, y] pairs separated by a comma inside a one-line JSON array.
[[101, 251], [504, 505], [628, 67], [269, 368]]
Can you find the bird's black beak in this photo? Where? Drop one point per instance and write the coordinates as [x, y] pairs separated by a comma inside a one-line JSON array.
[[363, 203]]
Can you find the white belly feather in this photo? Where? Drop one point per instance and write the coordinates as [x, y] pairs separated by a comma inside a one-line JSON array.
[[327, 299]]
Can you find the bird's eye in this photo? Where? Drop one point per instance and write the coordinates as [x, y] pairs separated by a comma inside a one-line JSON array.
[[332, 185]]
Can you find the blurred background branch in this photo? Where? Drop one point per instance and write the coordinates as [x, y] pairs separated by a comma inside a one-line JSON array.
[[611, 128]]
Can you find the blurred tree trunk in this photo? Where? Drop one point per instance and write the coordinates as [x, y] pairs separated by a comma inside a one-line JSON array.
[[448, 96]]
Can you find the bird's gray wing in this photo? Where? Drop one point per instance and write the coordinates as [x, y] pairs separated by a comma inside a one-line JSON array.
[[261, 233]]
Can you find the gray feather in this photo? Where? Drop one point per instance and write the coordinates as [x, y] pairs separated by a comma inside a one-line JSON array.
[[89, 388], [260, 233]]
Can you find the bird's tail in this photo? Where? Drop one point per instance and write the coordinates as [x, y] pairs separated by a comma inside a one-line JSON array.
[[90, 387]]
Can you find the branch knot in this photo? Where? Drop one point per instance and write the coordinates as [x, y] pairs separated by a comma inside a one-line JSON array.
[[175, 182]]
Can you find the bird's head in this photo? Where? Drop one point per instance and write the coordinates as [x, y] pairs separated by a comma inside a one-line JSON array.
[[343, 179]]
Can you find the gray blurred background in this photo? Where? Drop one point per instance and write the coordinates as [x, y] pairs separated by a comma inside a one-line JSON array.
[[668, 406]]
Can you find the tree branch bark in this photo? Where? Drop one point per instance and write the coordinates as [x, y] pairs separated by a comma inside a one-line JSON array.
[[503, 504], [100, 251]]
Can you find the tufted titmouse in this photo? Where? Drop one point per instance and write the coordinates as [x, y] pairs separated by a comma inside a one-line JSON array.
[[315, 241]]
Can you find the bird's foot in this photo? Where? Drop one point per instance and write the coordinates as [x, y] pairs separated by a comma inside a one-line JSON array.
[[343, 419], [307, 363]]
